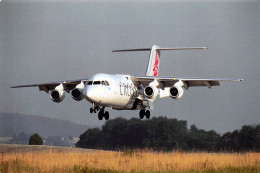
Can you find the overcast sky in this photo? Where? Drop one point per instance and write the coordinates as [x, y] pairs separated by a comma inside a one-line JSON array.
[[47, 41]]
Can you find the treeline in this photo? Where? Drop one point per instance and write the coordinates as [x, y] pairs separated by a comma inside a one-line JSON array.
[[163, 134]]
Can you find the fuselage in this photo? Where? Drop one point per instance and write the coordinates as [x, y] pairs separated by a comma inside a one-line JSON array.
[[114, 91]]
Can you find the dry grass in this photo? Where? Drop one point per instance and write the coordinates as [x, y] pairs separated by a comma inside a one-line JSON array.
[[139, 161]]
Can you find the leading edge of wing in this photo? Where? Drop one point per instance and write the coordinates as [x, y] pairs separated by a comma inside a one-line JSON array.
[[56, 83], [151, 78]]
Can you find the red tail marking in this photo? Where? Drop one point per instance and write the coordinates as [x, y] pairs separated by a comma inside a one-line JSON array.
[[155, 66]]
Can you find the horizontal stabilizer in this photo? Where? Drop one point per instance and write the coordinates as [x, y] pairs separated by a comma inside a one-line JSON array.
[[126, 50], [183, 48], [158, 48]]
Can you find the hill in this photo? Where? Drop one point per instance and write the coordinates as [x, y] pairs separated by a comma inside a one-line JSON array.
[[13, 124]]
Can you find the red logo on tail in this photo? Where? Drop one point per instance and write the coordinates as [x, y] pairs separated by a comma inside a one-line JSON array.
[[155, 66]]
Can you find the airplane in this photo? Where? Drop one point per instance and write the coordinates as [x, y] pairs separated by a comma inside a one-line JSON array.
[[126, 92]]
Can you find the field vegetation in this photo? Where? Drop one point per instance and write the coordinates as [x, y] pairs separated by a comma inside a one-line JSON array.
[[56, 159]]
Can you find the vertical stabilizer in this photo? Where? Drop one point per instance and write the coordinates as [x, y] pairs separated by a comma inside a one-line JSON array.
[[154, 62]]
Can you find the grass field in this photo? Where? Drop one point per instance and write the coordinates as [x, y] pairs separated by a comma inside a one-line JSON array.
[[19, 158]]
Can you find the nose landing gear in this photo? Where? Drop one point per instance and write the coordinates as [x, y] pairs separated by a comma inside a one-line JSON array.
[[144, 113]]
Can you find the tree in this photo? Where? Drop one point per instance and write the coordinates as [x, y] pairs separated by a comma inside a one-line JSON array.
[[163, 134], [90, 139], [35, 139]]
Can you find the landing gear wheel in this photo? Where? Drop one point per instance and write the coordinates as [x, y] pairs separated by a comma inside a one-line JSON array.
[[100, 115], [106, 115], [95, 111], [147, 114], [91, 110], [142, 113]]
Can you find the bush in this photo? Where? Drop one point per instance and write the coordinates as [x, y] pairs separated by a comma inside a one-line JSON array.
[[35, 139]]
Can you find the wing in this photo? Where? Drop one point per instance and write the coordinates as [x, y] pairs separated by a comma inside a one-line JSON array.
[[170, 81], [69, 85]]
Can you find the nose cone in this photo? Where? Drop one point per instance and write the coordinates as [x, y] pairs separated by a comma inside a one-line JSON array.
[[90, 94], [93, 94]]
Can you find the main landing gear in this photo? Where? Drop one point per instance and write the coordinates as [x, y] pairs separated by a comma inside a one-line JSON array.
[[144, 113], [101, 114]]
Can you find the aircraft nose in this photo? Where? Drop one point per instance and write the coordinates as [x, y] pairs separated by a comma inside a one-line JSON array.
[[90, 94]]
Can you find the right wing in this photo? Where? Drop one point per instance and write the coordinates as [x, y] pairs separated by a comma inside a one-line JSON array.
[[69, 85]]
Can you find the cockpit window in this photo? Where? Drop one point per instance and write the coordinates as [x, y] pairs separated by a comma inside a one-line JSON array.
[[96, 83], [106, 83]]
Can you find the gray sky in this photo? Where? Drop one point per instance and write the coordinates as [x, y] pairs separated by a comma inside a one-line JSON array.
[[47, 41]]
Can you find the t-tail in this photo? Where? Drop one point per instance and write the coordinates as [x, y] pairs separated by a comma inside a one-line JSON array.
[[154, 59]]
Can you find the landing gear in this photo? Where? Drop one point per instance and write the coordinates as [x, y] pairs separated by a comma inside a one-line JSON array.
[[106, 115], [144, 113], [94, 109], [147, 114], [101, 114]]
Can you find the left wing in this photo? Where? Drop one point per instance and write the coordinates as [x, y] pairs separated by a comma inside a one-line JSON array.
[[188, 82], [68, 85]]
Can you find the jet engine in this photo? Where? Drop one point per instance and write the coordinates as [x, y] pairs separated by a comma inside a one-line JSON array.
[[77, 94], [176, 92], [57, 95], [150, 92]]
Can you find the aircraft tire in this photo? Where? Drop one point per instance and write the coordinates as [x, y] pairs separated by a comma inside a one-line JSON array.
[[147, 114], [91, 110], [95, 109], [100, 115], [106, 115], [141, 114]]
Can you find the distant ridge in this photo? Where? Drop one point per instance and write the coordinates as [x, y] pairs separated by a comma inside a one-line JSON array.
[[13, 124]]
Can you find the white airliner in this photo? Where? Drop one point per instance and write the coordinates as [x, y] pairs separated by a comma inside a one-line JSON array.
[[126, 92]]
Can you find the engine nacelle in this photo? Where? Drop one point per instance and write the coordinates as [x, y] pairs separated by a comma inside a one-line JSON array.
[[150, 92], [77, 94], [57, 95], [176, 92]]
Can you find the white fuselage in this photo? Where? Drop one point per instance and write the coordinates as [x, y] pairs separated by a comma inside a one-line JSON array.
[[114, 91]]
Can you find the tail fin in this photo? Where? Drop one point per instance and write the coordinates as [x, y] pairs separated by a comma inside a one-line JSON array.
[[154, 60]]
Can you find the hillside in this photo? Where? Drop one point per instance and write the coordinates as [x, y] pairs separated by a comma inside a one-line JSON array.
[[12, 124]]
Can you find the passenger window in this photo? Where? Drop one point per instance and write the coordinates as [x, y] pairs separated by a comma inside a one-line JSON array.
[[90, 82], [96, 83]]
